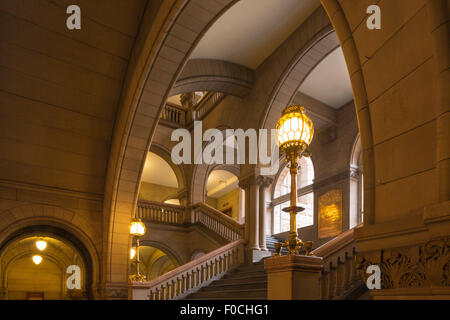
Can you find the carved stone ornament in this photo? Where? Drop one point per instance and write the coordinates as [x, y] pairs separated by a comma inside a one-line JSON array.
[[116, 293], [427, 265]]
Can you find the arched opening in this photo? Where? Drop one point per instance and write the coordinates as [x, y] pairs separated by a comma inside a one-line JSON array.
[[282, 189], [159, 182], [223, 193], [45, 263], [154, 262], [162, 85]]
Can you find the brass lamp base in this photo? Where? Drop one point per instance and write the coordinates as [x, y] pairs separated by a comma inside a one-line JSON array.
[[138, 278], [293, 244]]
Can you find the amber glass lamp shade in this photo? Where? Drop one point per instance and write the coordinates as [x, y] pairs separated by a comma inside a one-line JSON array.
[[137, 228], [295, 130]]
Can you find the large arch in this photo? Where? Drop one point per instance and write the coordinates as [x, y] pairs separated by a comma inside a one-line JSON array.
[[57, 221], [166, 48], [144, 102], [167, 37]]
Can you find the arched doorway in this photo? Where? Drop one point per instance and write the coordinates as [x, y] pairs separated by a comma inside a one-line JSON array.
[[44, 262]]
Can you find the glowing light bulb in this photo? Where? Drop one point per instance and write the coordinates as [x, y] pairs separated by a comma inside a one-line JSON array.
[[41, 245], [132, 253], [37, 259]]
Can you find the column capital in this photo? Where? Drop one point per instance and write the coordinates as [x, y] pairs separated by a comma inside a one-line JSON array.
[[264, 181], [247, 181]]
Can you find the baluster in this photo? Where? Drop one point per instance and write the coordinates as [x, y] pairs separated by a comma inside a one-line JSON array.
[[179, 284], [347, 278], [324, 294], [220, 264], [183, 284], [340, 275], [332, 282], [354, 272]]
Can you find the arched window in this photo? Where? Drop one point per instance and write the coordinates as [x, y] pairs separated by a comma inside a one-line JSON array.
[[305, 177]]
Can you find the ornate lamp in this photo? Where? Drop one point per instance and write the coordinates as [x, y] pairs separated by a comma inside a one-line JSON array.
[[137, 230], [294, 134]]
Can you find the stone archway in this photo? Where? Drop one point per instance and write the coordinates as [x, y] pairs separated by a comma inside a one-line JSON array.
[[59, 231], [166, 48]]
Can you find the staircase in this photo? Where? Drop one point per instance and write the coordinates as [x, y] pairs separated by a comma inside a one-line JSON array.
[[244, 283], [222, 275], [270, 240]]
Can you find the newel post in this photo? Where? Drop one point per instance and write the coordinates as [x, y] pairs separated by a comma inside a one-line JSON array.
[[293, 277]]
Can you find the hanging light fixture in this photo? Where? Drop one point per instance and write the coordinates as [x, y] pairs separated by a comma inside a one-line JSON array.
[[137, 228], [37, 259], [41, 245]]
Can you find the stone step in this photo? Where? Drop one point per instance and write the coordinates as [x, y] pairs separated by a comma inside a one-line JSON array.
[[235, 287], [242, 275], [250, 268], [238, 280], [231, 294], [228, 298]]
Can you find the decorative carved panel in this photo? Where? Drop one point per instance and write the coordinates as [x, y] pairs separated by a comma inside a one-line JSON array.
[[330, 214], [426, 265]]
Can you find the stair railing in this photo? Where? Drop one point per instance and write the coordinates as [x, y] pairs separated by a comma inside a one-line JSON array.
[[160, 212], [339, 273], [190, 277], [217, 222], [174, 115], [207, 103]]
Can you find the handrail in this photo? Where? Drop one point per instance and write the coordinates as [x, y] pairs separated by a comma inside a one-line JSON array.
[[191, 276], [217, 222], [334, 245], [339, 273], [160, 212]]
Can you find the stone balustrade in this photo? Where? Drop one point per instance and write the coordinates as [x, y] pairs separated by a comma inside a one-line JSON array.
[[174, 115], [217, 222], [207, 103], [188, 278], [339, 272], [160, 212]]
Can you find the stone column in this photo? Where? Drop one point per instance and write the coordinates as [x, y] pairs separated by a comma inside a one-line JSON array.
[[293, 277], [254, 215], [263, 183], [245, 186], [187, 101]]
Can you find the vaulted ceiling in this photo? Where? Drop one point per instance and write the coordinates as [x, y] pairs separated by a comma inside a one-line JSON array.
[[60, 88]]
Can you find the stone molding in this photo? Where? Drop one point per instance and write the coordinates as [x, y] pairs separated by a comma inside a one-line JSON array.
[[420, 266], [293, 263]]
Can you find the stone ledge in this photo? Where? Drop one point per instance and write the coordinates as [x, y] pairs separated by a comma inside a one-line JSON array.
[[293, 263]]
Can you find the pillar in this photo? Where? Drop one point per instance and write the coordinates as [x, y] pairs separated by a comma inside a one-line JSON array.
[[293, 277], [264, 183]]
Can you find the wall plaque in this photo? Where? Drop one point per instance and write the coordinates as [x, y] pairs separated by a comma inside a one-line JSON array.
[[330, 214]]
